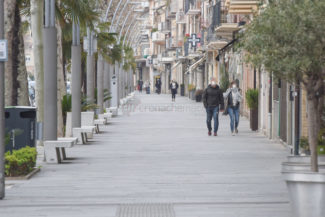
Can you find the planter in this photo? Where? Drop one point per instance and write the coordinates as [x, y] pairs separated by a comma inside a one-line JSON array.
[[192, 94], [26, 177], [294, 166], [321, 149], [182, 90], [304, 159], [306, 191], [198, 98], [254, 119], [301, 163]]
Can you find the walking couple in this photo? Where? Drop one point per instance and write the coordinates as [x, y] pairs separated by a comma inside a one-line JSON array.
[[213, 100]]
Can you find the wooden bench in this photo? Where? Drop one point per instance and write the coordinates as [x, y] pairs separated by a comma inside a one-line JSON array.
[[54, 149]]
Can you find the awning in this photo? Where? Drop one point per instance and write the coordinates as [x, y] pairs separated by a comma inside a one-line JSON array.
[[196, 64], [174, 66]]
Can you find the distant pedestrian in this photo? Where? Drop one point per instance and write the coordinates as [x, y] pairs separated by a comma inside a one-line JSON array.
[[173, 88], [233, 99], [140, 86], [213, 103], [147, 86], [158, 86]]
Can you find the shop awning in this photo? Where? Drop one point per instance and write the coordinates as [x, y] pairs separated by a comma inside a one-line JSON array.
[[196, 64], [176, 64]]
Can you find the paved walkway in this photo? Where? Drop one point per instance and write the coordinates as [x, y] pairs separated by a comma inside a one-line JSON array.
[[158, 162]]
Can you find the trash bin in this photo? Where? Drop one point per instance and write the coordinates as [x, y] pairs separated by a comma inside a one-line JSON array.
[[20, 127]]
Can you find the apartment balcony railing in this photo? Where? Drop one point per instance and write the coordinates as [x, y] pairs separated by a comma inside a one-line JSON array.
[[158, 37], [164, 27], [180, 17], [192, 7]]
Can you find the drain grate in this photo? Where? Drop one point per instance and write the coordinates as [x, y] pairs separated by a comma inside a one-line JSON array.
[[145, 210]]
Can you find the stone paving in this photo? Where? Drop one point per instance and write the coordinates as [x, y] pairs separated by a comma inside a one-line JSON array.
[[157, 161]]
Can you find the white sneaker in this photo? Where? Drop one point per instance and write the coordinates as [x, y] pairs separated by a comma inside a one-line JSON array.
[[233, 133]]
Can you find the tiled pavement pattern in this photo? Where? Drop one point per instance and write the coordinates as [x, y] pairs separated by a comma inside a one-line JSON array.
[[159, 154]]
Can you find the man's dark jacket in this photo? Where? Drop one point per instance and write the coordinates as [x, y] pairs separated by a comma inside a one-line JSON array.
[[213, 97]]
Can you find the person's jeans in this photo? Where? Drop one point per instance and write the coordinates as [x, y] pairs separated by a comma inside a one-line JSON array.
[[213, 112], [234, 117]]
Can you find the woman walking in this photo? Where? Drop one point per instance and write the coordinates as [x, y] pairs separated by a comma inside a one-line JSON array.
[[233, 96]]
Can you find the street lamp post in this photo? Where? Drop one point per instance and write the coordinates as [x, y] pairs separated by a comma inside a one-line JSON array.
[[50, 72], [90, 67], [76, 75], [2, 110]]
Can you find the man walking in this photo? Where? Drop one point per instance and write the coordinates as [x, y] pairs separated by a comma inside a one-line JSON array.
[[213, 103], [173, 88]]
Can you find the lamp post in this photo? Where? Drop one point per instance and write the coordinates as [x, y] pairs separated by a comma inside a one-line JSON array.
[[76, 75], [50, 72], [2, 109]]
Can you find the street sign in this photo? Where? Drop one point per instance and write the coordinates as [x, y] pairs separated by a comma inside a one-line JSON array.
[[194, 40], [3, 50]]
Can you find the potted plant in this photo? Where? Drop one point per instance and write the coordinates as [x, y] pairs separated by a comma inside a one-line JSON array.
[[191, 90], [287, 40], [182, 90], [304, 145], [321, 142], [252, 103], [198, 95]]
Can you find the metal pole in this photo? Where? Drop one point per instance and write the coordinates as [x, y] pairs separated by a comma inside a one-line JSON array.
[[90, 71], [2, 110], [122, 12], [128, 29], [130, 35], [100, 84], [107, 80], [127, 17], [108, 8], [112, 23], [76, 76], [50, 72]]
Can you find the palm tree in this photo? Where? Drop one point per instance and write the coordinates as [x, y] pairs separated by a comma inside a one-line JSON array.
[[16, 92]]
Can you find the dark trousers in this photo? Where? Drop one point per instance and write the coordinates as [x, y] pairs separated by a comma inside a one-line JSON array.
[[174, 92], [213, 112]]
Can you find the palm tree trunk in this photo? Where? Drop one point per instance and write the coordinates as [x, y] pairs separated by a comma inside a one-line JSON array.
[[61, 83], [16, 92], [9, 15], [22, 78]]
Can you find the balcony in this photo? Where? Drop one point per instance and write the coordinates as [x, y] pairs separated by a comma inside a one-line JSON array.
[[146, 52], [167, 58], [192, 7], [172, 9], [205, 23], [158, 38], [227, 29], [245, 7], [172, 43], [215, 42], [180, 17], [164, 27]]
